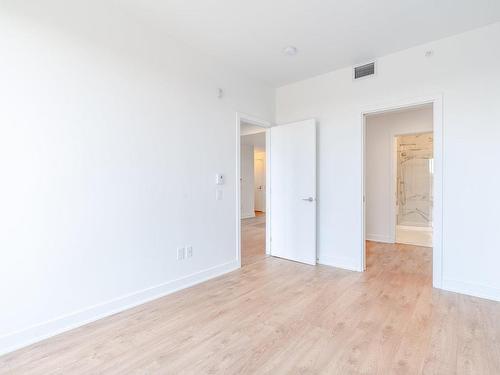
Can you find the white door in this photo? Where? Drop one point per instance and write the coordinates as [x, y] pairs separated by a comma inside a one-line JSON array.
[[293, 191], [260, 181]]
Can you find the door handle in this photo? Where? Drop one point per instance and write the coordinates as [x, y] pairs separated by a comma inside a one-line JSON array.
[[310, 199]]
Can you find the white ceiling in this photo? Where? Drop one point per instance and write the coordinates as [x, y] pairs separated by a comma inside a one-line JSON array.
[[329, 34], [249, 35], [258, 140], [246, 129], [253, 135]]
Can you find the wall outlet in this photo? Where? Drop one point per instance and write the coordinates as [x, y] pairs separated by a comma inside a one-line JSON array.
[[189, 251], [181, 253]]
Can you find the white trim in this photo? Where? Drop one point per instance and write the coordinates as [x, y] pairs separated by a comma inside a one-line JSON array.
[[474, 290], [247, 216], [415, 228], [16, 340], [268, 192], [393, 202], [379, 238], [337, 262], [438, 129], [264, 124]]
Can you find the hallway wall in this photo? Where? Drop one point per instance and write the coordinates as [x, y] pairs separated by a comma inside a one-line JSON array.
[[247, 181], [260, 180]]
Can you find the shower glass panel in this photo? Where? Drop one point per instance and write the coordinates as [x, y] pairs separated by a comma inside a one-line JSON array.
[[415, 164]]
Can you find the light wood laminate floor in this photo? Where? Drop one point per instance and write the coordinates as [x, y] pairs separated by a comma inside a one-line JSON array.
[[253, 239], [279, 317]]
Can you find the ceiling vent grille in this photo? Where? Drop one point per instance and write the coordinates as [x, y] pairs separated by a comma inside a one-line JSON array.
[[364, 70]]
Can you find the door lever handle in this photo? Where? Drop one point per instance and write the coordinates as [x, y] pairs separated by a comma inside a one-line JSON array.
[[310, 199]]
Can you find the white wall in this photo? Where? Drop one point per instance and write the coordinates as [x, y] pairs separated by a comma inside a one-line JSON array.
[[247, 181], [110, 139], [464, 69], [380, 177]]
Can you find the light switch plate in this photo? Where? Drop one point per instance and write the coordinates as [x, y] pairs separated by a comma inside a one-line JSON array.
[[181, 253], [219, 195]]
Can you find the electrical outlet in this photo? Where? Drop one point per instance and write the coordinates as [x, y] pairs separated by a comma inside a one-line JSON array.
[[181, 253], [189, 251]]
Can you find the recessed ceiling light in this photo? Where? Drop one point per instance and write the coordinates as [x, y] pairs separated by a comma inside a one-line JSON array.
[[290, 51]]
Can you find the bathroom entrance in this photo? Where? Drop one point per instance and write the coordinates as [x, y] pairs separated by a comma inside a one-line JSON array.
[[402, 191], [414, 188]]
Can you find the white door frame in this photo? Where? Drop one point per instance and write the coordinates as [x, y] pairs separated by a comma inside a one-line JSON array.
[[437, 214], [266, 125]]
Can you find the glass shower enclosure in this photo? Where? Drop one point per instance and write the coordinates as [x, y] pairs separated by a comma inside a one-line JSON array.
[[415, 169]]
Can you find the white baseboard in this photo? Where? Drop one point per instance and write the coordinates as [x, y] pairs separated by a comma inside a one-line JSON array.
[[248, 215], [33, 334], [413, 224], [475, 290], [416, 229], [344, 263], [379, 238]]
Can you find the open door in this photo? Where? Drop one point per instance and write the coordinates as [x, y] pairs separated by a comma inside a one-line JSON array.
[[293, 191]]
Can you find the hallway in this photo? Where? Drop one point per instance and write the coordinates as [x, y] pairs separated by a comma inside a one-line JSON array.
[[253, 239]]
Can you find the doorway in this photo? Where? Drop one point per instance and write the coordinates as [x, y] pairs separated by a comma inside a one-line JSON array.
[[402, 183], [253, 160], [414, 194], [286, 166]]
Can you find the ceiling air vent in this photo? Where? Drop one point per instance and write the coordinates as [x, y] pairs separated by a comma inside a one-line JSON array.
[[364, 70]]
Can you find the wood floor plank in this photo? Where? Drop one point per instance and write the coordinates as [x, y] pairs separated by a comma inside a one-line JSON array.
[[279, 317]]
